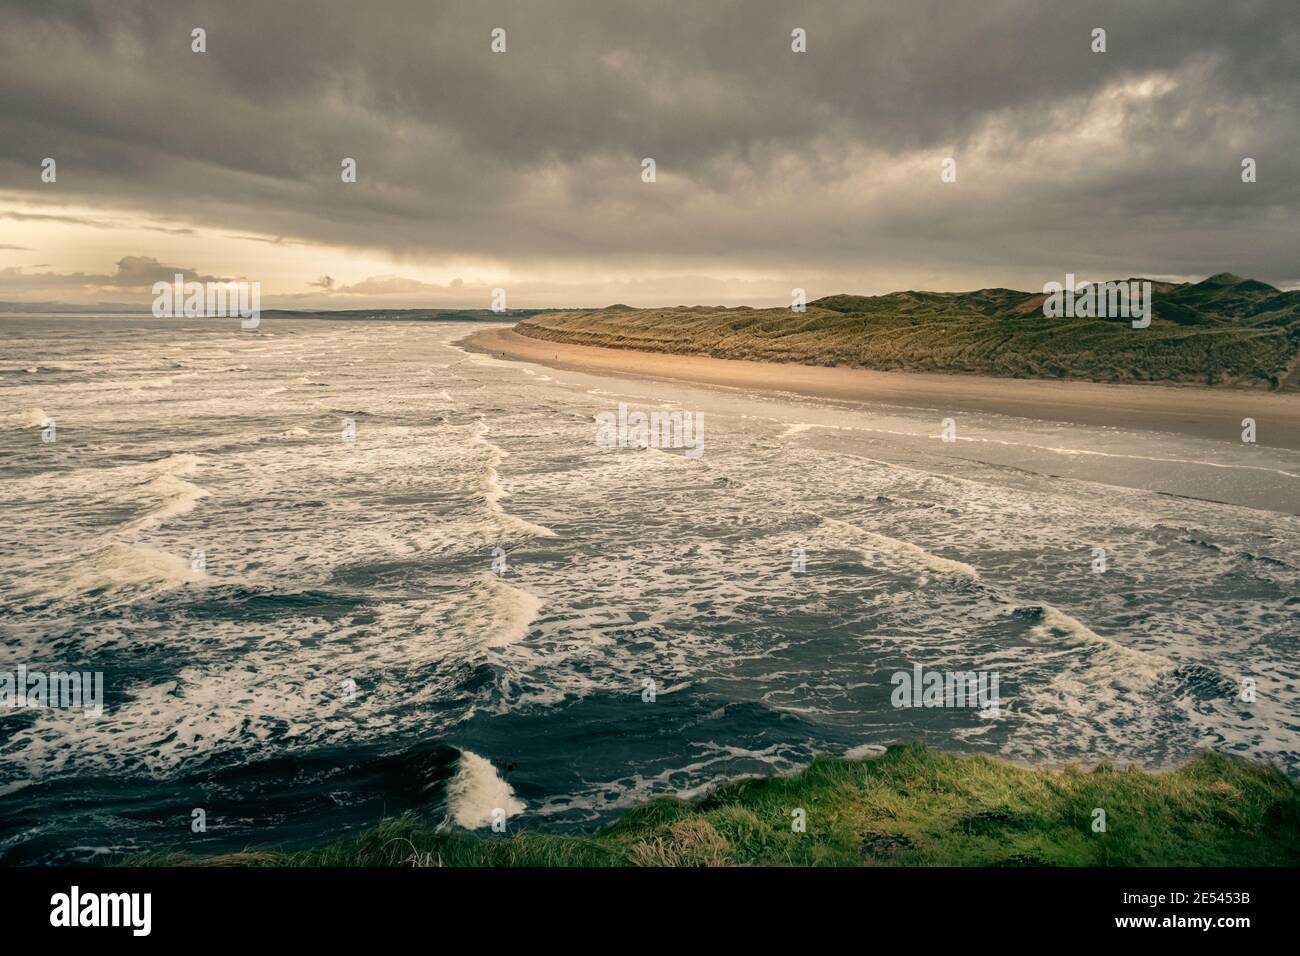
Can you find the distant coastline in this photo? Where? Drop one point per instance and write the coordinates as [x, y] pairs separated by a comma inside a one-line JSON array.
[[123, 311], [1197, 411]]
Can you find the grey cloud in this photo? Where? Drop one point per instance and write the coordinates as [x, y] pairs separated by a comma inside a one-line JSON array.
[[51, 217], [769, 162], [388, 285], [133, 274], [90, 221]]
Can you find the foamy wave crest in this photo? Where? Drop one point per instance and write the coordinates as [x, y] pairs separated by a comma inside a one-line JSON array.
[[173, 494], [1106, 661], [1175, 461], [893, 547], [177, 496], [116, 569], [798, 428], [493, 492], [27, 418], [514, 527], [297, 432], [183, 463], [122, 566], [476, 792], [495, 614]]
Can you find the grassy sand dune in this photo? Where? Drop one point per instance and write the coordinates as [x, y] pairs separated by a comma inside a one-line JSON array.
[[1223, 330], [910, 807], [1194, 410]]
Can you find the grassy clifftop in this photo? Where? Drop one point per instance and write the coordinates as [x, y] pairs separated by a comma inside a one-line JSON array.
[[909, 807], [1224, 330]]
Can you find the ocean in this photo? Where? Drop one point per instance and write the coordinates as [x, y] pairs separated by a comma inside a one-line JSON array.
[[336, 571]]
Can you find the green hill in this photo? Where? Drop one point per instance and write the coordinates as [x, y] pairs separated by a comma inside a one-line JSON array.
[[1223, 330]]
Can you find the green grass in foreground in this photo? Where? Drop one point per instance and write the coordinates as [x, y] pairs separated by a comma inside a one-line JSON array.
[[911, 807]]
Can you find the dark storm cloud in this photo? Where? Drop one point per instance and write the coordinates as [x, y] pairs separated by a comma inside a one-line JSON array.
[[768, 161]]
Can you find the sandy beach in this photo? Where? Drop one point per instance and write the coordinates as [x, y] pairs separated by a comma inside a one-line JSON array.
[[1201, 412]]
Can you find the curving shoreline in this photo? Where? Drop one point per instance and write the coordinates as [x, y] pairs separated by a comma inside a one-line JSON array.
[[1197, 411]]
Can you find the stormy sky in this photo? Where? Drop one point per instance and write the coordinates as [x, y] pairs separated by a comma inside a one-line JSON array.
[[523, 169]]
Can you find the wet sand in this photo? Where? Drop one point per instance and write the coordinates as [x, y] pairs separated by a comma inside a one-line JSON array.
[[1199, 411]]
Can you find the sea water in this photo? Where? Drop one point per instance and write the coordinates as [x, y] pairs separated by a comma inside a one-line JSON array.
[[335, 571]]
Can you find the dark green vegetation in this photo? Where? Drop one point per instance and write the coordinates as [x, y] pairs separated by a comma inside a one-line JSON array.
[[1224, 330], [910, 807]]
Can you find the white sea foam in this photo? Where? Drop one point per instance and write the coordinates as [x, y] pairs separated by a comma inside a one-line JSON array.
[[493, 492], [1097, 453], [798, 428], [1107, 661], [176, 496], [1175, 461], [27, 418], [879, 543], [636, 788], [120, 566], [865, 750], [496, 614], [477, 792], [172, 493]]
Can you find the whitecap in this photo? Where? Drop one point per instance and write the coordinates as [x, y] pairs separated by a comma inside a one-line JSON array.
[[476, 793], [879, 543]]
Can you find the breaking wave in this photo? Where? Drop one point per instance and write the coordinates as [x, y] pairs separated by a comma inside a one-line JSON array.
[[493, 492], [495, 614], [27, 418], [883, 544], [477, 792], [120, 566], [1106, 661]]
